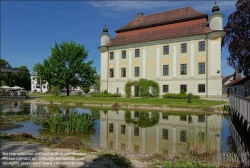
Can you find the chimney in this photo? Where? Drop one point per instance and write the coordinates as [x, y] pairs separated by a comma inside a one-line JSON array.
[[237, 73], [139, 15]]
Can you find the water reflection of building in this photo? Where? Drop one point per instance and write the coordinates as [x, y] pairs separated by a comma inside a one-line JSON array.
[[168, 136]]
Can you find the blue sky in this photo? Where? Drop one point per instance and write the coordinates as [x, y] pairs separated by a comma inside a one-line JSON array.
[[30, 28]]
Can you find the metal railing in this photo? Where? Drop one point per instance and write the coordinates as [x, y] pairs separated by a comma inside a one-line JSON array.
[[241, 105]]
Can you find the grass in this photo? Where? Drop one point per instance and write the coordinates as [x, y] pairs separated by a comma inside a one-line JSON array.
[[162, 161], [79, 123], [201, 141], [24, 137], [118, 160], [180, 162], [197, 104]]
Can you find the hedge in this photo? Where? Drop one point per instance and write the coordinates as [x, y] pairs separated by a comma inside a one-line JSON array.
[[105, 95], [178, 96]]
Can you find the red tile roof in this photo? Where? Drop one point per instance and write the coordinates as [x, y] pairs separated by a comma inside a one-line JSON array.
[[181, 29], [161, 18], [170, 24], [236, 81]]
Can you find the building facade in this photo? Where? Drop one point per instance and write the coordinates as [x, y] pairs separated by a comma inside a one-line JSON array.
[[179, 49], [38, 85], [169, 136]]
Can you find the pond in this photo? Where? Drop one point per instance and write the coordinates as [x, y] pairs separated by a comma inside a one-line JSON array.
[[147, 132]]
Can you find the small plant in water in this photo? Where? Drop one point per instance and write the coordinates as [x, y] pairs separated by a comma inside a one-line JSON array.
[[73, 122], [202, 140]]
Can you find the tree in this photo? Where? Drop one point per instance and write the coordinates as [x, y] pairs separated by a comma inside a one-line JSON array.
[[86, 89], [237, 38], [97, 84], [65, 66], [3, 75], [22, 78]]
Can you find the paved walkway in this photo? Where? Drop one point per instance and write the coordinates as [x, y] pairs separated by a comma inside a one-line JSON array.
[[222, 99]]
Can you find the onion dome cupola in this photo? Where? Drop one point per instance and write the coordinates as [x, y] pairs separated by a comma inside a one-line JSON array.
[[105, 37], [216, 18]]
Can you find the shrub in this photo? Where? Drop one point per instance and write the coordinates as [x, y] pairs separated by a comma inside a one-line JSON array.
[[182, 92], [105, 91], [22, 93], [189, 97], [127, 88], [55, 90], [196, 97], [79, 93], [178, 96], [105, 95], [174, 96]]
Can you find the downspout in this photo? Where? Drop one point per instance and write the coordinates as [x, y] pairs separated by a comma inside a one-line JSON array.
[[107, 70], [206, 66]]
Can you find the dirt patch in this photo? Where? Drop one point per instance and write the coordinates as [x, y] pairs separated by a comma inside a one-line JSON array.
[[73, 143], [23, 136], [208, 109], [116, 106]]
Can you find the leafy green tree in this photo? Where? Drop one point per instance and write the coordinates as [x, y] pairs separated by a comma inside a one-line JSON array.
[[22, 79], [97, 83], [86, 89], [66, 66], [4, 76], [54, 90], [237, 38]]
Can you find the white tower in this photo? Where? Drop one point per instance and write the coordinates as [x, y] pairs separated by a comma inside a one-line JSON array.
[[105, 37], [215, 20]]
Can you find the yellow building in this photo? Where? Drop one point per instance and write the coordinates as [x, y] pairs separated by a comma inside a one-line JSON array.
[[167, 134], [179, 49]]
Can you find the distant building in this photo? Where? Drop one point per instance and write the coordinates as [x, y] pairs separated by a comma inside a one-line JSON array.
[[236, 84], [179, 49], [225, 81], [239, 86], [38, 85]]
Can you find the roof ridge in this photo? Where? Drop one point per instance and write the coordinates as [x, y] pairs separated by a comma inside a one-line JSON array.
[[174, 10], [160, 18]]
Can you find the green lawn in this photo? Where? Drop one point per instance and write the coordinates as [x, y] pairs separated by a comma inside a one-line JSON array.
[[156, 102]]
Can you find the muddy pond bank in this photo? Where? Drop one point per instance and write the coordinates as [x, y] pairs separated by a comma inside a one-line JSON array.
[[216, 109]]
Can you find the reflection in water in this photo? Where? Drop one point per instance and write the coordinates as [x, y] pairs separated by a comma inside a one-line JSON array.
[[155, 132], [240, 137], [14, 107], [139, 132], [142, 119], [28, 127]]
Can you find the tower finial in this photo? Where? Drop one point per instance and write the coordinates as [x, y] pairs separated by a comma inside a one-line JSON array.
[[105, 30], [216, 7]]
